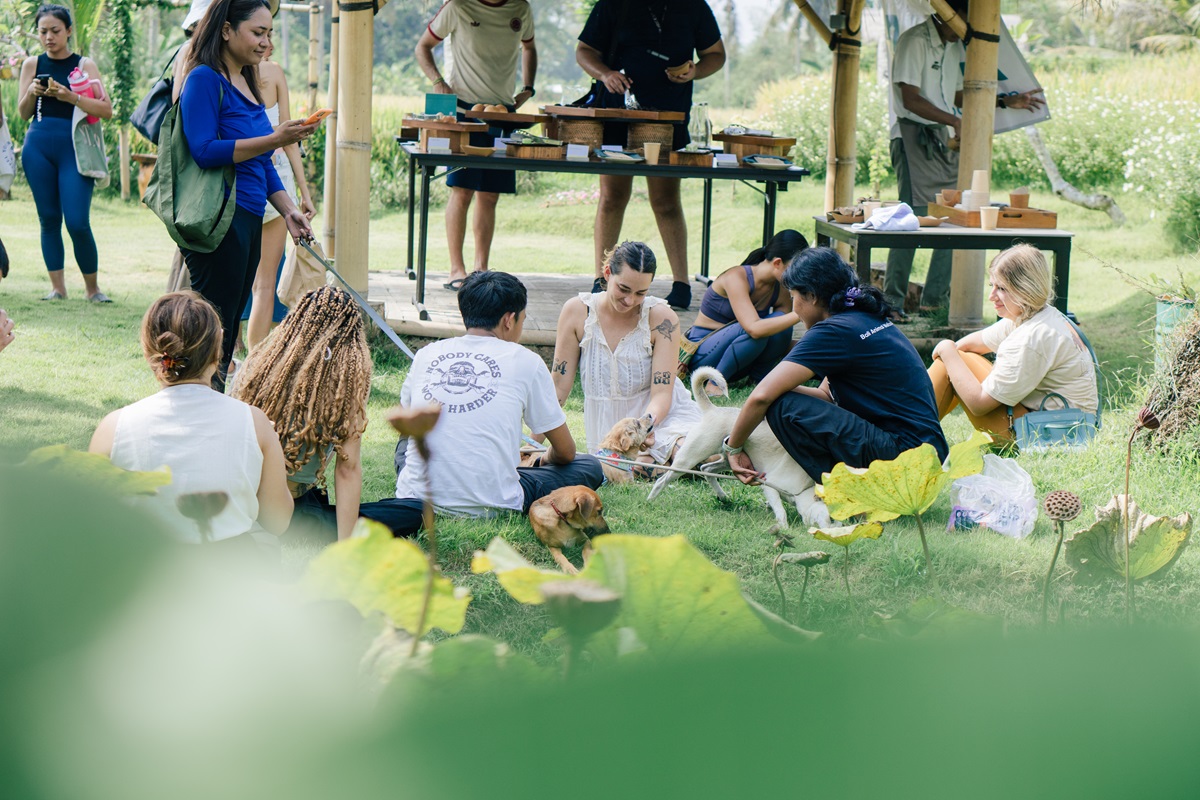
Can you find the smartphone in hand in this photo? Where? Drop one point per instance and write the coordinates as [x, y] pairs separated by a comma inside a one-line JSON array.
[[44, 80], [318, 116]]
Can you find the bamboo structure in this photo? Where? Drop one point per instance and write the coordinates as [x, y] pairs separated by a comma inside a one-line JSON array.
[[123, 150], [356, 36], [815, 20], [314, 52], [979, 116], [842, 160], [331, 130]]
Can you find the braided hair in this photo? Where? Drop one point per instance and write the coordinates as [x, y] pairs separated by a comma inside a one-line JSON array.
[[311, 377], [820, 273]]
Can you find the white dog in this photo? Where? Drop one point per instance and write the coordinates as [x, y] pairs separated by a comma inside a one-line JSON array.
[[704, 440]]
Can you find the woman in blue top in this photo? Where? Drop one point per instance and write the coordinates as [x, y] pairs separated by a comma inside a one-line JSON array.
[[875, 399], [48, 156], [225, 123], [747, 315]]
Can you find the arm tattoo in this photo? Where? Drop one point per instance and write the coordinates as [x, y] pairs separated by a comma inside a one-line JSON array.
[[666, 328], [560, 367], [662, 378]]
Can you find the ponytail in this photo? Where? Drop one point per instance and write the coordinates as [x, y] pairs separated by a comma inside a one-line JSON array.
[[820, 273], [785, 246]]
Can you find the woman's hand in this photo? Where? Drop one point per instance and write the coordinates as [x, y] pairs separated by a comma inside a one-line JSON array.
[[743, 468], [307, 207], [615, 82], [297, 225], [292, 131], [940, 349]]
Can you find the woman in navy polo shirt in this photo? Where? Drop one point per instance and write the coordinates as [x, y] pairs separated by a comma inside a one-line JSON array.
[[875, 399], [643, 39], [225, 122]]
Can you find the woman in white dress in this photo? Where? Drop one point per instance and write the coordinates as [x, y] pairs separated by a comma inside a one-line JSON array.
[[625, 345], [274, 89]]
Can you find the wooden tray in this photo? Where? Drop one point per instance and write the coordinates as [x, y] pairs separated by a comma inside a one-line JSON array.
[[1009, 217], [542, 151], [513, 119], [444, 125], [742, 145], [613, 113]]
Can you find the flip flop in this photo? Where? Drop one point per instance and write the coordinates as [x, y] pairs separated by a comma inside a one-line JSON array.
[[454, 285], [55, 295], [99, 297], [898, 317]]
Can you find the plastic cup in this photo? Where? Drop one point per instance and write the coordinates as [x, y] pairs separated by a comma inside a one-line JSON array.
[[989, 216], [652, 150], [870, 207], [1018, 199]]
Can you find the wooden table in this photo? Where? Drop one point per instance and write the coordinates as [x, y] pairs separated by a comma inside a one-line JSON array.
[[952, 237], [426, 164]]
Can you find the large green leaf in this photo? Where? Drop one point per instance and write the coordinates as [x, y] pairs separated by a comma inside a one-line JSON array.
[[906, 485], [374, 571], [846, 536], [673, 599], [97, 470], [1154, 542]]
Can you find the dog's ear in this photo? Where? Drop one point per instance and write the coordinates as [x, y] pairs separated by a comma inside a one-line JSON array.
[[586, 505], [625, 440]]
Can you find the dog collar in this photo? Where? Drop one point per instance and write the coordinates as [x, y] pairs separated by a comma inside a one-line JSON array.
[[613, 458], [563, 517]]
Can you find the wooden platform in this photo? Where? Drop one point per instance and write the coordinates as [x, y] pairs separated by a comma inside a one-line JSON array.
[[547, 293]]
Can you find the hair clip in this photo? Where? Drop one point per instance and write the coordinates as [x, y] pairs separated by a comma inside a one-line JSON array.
[[173, 364], [852, 294], [328, 353]]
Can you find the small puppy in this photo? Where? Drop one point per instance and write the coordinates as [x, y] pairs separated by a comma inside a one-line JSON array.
[[565, 517], [628, 438], [704, 440]]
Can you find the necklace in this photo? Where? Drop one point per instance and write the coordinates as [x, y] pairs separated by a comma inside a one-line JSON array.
[[658, 23]]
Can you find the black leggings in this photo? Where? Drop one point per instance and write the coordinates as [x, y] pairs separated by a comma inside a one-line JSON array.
[[225, 277]]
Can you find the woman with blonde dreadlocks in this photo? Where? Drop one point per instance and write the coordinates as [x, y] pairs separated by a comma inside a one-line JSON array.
[[311, 377]]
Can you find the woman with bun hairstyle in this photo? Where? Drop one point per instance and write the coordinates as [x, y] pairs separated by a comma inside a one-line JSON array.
[[225, 123], [312, 378], [874, 400], [747, 314], [210, 442], [48, 155], [1038, 351]]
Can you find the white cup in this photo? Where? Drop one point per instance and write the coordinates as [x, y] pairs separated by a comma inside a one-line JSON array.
[[989, 216], [869, 208], [651, 149]]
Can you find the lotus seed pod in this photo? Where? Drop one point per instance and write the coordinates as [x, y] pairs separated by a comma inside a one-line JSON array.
[[580, 607], [1062, 506], [810, 559], [415, 421], [1147, 419], [202, 506]]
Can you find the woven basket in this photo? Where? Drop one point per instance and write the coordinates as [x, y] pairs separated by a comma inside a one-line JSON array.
[[642, 132], [588, 132]]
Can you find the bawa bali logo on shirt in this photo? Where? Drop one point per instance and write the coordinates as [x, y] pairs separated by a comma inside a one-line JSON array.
[[515, 24], [461, 382]]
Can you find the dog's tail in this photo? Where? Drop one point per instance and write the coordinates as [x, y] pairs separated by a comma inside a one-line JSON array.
[[705, 375]]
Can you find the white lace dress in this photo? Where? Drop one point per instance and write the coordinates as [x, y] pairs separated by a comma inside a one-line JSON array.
[[617, 384], [284, 167]]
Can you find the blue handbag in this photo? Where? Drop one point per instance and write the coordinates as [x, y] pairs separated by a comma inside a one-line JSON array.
[[1058, 427]]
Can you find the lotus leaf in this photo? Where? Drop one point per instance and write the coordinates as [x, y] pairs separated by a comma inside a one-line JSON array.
[[374, 571], [907, 485], [672, 598], [97, 470], [1154, 542], [846, 536]]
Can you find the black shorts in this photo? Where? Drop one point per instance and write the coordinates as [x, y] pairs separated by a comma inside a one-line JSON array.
[[500, 181]]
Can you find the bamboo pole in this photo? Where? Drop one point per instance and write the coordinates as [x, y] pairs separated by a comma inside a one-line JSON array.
[[979, 115], [815, 20], [314, 52], [331, 128], [356, 35], [841, 161], [123, 152], [950, 17]]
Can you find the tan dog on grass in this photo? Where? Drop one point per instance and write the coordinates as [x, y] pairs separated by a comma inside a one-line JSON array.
[[566, 517], [629, 438]]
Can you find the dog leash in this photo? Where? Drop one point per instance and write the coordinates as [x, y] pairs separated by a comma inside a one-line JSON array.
[[362, 303]]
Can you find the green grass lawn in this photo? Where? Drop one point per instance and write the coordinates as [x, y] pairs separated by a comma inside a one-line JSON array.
[[73, 362]]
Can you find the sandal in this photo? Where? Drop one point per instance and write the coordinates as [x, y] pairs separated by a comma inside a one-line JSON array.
[[55, 295], [898, 317], [454, 285], [99, 297]]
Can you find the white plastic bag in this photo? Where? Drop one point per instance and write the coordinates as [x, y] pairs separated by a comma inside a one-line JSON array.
[[1000, 498]]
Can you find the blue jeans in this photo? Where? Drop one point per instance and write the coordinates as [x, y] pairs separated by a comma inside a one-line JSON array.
[[60, 193], [403, 515], [736, 354]]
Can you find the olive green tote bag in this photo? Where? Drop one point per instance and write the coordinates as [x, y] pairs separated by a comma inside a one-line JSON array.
[[190, 200]]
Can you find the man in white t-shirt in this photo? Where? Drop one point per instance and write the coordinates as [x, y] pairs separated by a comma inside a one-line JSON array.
[[481, 67], [487, 385]]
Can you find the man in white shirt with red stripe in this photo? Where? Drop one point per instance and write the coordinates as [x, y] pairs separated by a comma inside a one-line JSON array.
[[480, 67]]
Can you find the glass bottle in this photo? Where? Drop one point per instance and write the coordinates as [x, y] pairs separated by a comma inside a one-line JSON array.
[[700, 126]]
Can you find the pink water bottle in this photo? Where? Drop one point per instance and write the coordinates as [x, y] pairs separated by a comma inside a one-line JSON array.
[[81, 85]]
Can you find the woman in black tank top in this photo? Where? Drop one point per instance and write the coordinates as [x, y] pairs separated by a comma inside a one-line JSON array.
[[48, 155]]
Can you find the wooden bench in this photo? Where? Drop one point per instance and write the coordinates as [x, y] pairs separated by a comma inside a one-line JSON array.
[[145, 162]]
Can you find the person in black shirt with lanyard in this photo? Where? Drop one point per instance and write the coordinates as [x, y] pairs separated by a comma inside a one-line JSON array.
[[645, 38]]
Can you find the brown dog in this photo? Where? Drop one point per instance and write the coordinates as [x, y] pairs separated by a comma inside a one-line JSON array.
[[628, 438], [564, 518]]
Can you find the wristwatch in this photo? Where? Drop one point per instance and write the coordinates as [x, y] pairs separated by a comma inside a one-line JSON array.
[[530, 89], [728, 450], [1000, 102]]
